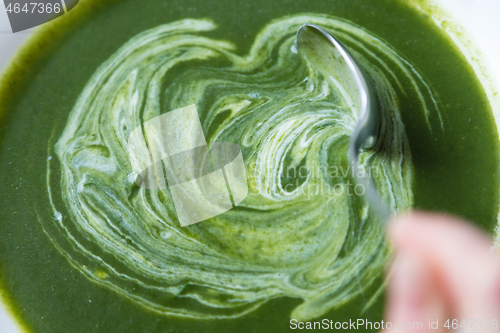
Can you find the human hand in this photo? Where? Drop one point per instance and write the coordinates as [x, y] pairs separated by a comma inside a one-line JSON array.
[[445, 268]]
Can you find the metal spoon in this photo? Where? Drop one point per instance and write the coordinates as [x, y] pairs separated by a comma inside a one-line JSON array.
[[331, 58]]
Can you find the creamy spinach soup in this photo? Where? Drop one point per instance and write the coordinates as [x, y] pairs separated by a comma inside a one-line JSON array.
[[84, 248]]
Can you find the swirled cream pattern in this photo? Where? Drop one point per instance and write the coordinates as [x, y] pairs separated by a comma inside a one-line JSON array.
[[289, 237]]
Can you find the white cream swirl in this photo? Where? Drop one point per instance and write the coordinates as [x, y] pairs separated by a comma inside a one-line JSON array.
[[289, 237]]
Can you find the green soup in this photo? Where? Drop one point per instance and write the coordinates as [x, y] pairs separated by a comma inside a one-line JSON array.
[[83, 248]]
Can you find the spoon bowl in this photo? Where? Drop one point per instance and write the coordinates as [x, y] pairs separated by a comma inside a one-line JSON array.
[[327, 55]]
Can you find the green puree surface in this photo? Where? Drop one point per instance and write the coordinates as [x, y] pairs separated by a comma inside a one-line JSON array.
[[454, 157]]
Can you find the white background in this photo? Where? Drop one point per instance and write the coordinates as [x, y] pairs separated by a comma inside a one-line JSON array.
[[481, 18]]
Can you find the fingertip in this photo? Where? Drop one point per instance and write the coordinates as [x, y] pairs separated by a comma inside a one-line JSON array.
[[419, 229], [398, 225]]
